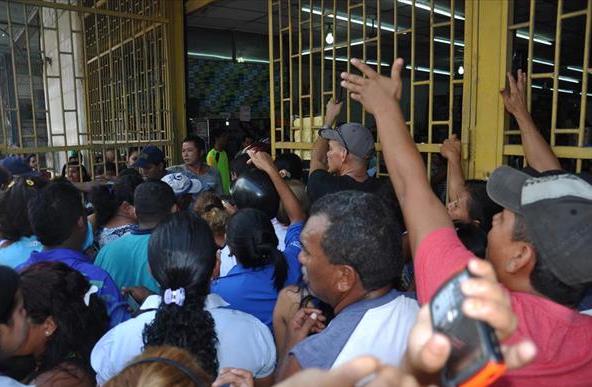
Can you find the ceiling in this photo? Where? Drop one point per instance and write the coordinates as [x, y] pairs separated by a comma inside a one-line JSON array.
[[232, 15]]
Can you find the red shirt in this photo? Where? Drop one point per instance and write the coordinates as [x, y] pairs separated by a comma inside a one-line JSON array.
[[563, 336]]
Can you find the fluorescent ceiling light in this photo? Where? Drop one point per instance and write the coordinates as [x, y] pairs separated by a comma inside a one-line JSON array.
[[204, 55], [427, 70], [446, 41], [574, 68], [438, 10], [551, 89], [545, 62], [383, 26], [523, 35], [568, 79], [370, 62]]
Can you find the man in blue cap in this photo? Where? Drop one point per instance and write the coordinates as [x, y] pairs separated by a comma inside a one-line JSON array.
[[17, 166], [151, 163]]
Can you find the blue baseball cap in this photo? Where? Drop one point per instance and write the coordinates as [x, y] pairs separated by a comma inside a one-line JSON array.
[[149, 155], [17, 166]]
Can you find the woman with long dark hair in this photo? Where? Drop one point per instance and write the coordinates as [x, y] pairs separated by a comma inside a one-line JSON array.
[[181, 319], [66, 319], [18, 241], [252, 286], [114, 207]]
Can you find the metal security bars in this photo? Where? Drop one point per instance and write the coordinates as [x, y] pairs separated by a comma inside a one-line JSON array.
[[83, 81], [553, 38], [312, 42]]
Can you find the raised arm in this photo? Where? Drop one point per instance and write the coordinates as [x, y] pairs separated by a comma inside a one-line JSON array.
[[318, 159], [380, 95], [451, 150], [537, 151], [264, 162]]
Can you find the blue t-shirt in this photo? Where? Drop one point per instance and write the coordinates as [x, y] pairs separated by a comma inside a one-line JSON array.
[[18, 252], [126, 261], [251, 290], [108, 291], [291, 252]]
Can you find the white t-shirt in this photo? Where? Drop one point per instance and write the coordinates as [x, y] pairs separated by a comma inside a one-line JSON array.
[[227, 262], [243, 341]]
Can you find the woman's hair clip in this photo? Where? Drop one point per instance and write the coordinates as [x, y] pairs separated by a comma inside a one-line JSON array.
[[30, 182], [176, 296]]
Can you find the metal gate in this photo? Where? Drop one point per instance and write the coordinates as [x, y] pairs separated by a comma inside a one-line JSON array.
[[84, 80]]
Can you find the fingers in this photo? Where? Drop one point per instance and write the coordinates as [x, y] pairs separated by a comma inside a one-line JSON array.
[[353, 371], [352, 87], [482, 268], [434, 353], [352, 78], [235, 377], [519, 355], [397, 68], [364, 68], [496, 314], [512, 83]]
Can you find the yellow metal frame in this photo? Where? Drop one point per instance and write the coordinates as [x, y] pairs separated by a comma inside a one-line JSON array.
[[127, 76], [301, 128]]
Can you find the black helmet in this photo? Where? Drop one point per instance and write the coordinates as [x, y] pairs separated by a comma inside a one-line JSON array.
[[254, 189]]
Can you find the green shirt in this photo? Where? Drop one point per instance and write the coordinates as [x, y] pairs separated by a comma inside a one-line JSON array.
[[219, 160]]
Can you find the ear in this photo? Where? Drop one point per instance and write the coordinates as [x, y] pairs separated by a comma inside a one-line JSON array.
[[128, 209], [523, 255], [346, 278], [49, 326]]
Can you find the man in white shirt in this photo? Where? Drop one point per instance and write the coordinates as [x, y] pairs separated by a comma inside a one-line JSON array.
[[243, 341]]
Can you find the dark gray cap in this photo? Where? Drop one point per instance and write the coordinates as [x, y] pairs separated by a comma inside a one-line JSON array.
[[352, 136], [557, 211]]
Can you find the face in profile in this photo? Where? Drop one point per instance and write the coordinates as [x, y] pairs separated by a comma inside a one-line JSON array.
[[335, 156], [13, 335], [73, 173], [132, 158], [152, 172], [33, 162]]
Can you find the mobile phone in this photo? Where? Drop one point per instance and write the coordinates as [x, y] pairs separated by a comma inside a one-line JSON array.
[[133, 303], [475, 359]]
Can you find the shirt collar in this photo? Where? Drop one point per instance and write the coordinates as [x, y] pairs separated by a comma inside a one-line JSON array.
[[142, 232], [58, 254], [213, 301]]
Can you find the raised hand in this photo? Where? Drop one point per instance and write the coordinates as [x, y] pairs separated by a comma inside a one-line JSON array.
[[515, 96], [374, 91], [261, 160], [332, 111], [451, 149]]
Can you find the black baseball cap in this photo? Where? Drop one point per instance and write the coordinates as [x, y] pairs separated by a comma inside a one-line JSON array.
[[17, 166], [354, 137], [150, 155], [557, 210]]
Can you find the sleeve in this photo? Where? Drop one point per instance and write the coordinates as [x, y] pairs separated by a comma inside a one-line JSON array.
[[101, 359], [117, 307], [439, 255], [210, 159], [291, 252], [268, 353]]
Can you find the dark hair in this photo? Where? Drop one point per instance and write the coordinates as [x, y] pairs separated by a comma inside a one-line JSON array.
[[14, 223], [472, 236], [239, 164], [8, 291], [55, 212], [299, 190], [153, 201], [251, 238], [359, 234], [75, 163], [110, 167], [106, 199], [54, 289], [386, 192], [542, 278], [182, 254], [481, 207], [217, 133], [291, 163], [5, 176], [197, 141]]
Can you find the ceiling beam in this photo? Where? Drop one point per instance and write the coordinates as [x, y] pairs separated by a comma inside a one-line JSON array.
[[195, 5]]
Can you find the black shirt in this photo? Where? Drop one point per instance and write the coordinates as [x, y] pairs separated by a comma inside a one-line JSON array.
[[321, 183]]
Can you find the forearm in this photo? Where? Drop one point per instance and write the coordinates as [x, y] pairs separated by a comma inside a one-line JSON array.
[[291, 203], [537, 151], [318, 158], [456, 180], [422, 210]]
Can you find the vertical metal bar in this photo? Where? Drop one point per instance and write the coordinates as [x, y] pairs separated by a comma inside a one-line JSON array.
[[86, 80], [100, 86], [556, 71], [322, 44], [291, 70], [530, 54], [379, 65], [125, 96], [27, 42], [271, 76], [452, 71], [585, 77], [300, 116], [348, 104], [310, 66], [412, 76], [431, 87], [46, 86], [364, 53], [281, 62], [74, 79], [59, 51], [334, 53], [14, 75]]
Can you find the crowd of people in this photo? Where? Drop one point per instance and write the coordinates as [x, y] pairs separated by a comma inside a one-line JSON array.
[[247, 271]]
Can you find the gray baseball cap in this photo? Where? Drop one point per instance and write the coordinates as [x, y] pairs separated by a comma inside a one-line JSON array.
[[557, 210], [354, 137]]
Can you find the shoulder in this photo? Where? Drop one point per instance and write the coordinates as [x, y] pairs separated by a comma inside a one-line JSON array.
[[319, 174]]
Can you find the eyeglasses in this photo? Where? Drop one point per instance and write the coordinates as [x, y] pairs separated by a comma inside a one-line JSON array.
[[338, 130]]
